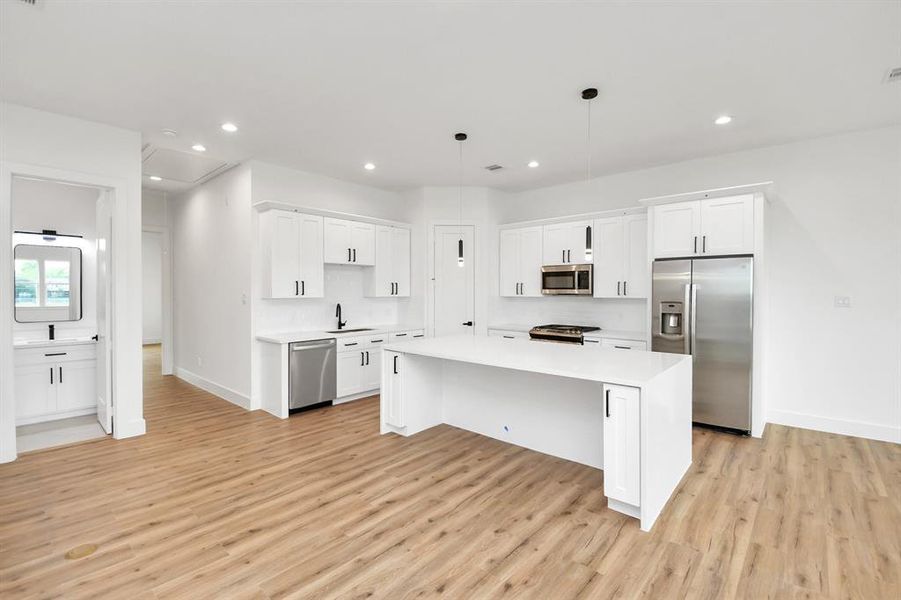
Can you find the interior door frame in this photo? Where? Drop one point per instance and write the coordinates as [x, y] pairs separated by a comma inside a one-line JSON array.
[[167, 353], [430, 280], [119, 190]]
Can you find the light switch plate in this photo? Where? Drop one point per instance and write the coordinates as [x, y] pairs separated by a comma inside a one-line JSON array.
[[842, 302]]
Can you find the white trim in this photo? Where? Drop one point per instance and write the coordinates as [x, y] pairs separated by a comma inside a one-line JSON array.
[[269, 205], [762, 187], [861, 429], [617, 212], [357, 396], [167, 340], [153, 342], [215, 389], [56, 416]]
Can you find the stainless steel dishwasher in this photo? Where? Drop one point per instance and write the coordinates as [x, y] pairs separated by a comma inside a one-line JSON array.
[[312, 373]]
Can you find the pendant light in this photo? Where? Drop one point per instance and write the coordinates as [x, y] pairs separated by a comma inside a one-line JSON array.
[[460, 137], [588, 94]]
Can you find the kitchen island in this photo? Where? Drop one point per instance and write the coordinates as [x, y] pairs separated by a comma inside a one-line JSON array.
[[626, 412]]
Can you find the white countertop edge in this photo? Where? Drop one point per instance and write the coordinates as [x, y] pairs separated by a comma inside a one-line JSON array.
[[619, 334], [20, 344], [288, 337]]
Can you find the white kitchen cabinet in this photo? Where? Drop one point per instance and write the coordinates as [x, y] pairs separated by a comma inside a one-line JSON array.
[[567, 243], [372, 370], [620, 257], [520, 262], [714, 226], [350, 372], [507, 334], [292, 255], [623, 344], [349, 242], [391, 274], [392, 394], [621, 444], [54, 382]]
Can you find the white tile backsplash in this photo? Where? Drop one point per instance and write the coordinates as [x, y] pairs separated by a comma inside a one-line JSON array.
[[344, 284]]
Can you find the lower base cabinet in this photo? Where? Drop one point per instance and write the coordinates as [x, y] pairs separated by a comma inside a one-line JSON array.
[[622, 463], [358, 371], [54, 383], [393, 389]]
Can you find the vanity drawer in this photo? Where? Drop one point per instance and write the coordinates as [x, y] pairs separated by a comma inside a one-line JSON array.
[[39, 356]]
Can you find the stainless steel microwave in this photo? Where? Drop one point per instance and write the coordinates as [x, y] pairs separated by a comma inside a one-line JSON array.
[[567, 280]]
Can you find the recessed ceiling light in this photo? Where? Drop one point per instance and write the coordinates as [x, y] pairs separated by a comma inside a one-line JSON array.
[[170, 132], [533, 164], [229, 127], [369, 166], [198, 148], [155, 178], [723, 120]]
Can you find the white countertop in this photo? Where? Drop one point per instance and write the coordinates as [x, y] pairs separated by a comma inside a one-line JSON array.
[[620, 334], [634, 368], [74, 341], [287, 337]]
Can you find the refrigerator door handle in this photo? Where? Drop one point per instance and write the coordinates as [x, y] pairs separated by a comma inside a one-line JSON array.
[[693, 315], [688, 320]]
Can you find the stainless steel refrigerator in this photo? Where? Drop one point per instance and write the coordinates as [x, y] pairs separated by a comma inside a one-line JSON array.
[[703, 307]]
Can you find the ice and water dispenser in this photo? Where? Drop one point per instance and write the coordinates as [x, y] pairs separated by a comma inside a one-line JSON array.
[[671, 318]]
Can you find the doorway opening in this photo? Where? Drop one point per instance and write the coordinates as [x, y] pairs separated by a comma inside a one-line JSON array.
[[452, 299], [61, 235]]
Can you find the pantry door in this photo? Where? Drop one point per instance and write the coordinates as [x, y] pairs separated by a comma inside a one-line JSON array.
[[453, 283]]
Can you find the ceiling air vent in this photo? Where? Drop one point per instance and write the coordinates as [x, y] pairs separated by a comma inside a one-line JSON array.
[[32, 2], [893, 75], [493, 168]]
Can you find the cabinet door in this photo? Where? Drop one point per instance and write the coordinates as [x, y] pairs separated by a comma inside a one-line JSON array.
[[33, 391], [337, 241], [283, 253], [393, 389], [677, 229], [727, 225], [555, 243], [311, 267], [508, 262], [530, 255], [400, 243], [622, 464], [77, 385], [635, 268], [372, 370], [608, 257], [380, 280], [362, 243], [577, 242], [350, 372]]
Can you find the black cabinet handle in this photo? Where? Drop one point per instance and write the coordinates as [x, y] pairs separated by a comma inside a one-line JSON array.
[[419, 335], [624, 289], [588, 237], [569, 256], [56, 354], [617, 287], [509, 337], [303, 287], [355, 255], [376, 341], [350, 344], [348, 255], [296, 288], [51, 375], [696, 245], [395, 364], [60, 374], [367, 357], [607, 403], [622, 347], [399, 334], [563, 258], [362, 358], [704, 244]]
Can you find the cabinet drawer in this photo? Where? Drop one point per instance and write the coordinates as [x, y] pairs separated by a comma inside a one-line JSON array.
[[510, 335], [408, 334], [624, 344], [355, 343], [38, 356]]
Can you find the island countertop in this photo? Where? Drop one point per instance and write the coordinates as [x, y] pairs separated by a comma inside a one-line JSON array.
[[608, 365]]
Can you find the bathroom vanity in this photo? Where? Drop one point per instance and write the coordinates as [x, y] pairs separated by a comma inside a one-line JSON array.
[[54, 379]]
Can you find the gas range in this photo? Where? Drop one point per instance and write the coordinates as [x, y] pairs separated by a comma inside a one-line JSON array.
[[564, 334]]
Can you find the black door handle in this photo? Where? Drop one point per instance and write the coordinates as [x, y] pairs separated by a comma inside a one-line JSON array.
[[60, 374], [468, 323], [395, 364], [607, 403], [355, 255]]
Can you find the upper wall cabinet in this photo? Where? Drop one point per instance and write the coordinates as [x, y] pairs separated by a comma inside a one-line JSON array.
[[567, 243], [713, 226], [292, 255], [349, 242], [520, 261], [621, 257], [391, 275]]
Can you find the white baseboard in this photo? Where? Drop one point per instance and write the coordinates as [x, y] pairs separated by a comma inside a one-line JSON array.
[[214, 388], [871, 431], [130, 429], [152, 342], [359, 396]]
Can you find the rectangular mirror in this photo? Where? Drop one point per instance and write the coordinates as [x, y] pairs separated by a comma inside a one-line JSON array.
[[48, 283]]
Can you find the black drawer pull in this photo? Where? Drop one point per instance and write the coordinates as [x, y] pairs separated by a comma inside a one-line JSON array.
[[399, 334], [420, 335], [623, 347], [56, 354], [351, 344], [376, 341]]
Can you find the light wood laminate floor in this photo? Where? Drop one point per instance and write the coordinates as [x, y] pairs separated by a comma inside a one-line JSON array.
[[216, 502]]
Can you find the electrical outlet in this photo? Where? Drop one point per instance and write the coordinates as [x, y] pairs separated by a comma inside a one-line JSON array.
[[842, 302]]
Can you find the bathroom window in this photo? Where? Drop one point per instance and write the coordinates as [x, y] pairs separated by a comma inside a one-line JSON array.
[[56, 283], [28, 282]]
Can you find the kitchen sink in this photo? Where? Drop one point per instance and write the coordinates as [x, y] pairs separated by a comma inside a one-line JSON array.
[[351, 330]]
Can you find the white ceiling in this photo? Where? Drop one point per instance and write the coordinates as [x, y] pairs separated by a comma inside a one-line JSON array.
[[327, 87]]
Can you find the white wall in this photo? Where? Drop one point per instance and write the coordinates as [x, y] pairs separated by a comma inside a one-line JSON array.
[[152, 258], [69, 209], [211, 239], [833, 229], [77, 150], [154, 208]]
